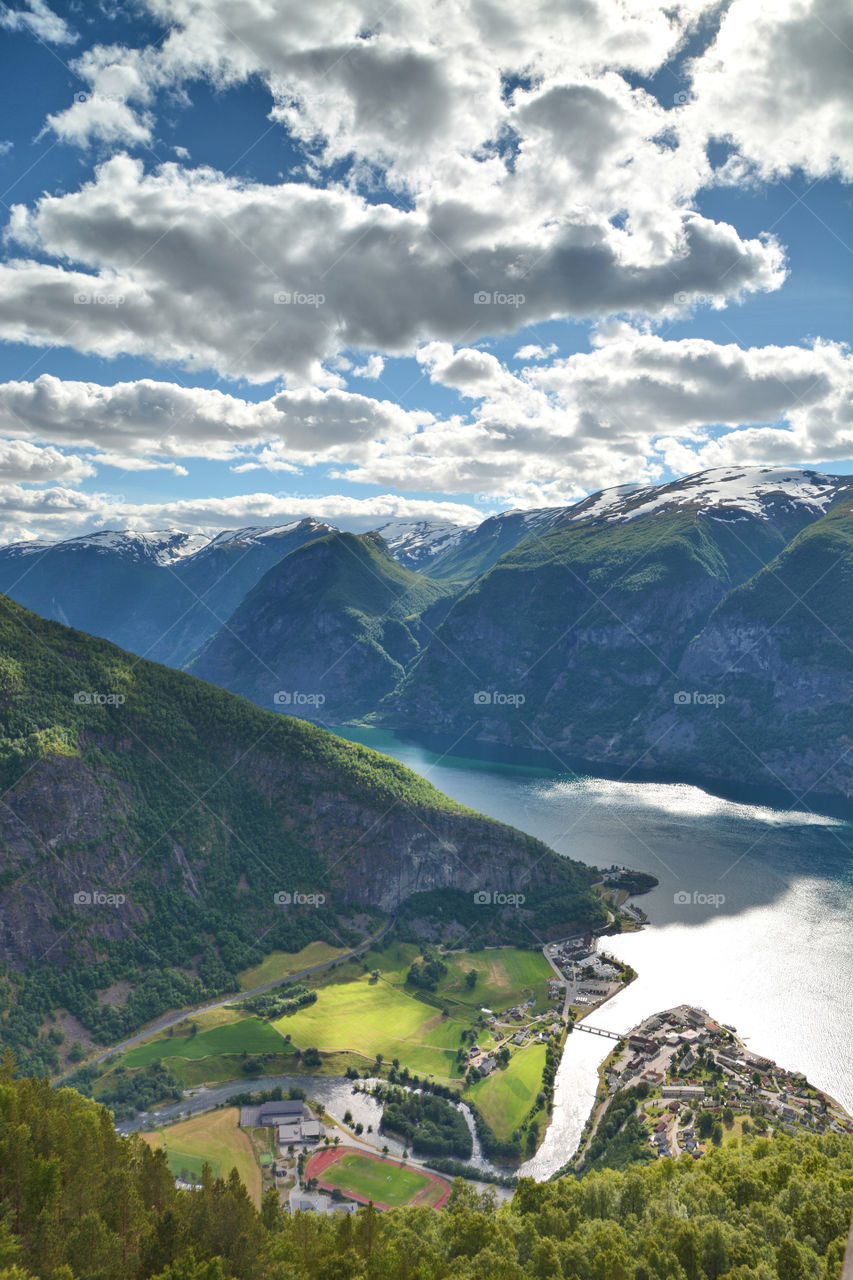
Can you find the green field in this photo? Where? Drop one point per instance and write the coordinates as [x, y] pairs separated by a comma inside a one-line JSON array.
[[375, 1017], [377, 1180], [215, 1139], [250, 1034], [505, 1097], [505, 976]]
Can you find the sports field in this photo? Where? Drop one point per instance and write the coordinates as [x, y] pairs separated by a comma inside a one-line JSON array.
[[505, 1097], [367, 1177], [214, 1137]]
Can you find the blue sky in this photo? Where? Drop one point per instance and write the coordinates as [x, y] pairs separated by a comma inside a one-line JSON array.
[[664, 244]]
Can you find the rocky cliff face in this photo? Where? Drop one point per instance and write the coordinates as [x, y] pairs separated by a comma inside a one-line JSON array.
[[149, 816]]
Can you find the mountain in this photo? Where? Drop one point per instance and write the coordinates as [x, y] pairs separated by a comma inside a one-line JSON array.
[[669, 629], [478, 549], [149, 820], [159, 594], [329, 631], [417, 543]]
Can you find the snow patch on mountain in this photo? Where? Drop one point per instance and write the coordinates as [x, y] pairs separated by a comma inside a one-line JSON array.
[[416, 542], [756, 491]]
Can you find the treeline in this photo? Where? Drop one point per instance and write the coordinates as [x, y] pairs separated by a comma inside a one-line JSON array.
[[79, 1203], [276, 1004], [430, 1125]]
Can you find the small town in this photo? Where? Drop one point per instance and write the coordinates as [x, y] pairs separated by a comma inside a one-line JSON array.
[[698, 1082]]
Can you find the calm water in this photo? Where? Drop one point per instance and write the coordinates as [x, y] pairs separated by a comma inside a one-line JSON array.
[[774, 958]]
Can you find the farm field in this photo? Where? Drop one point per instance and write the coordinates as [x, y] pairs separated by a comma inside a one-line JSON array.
[[369, 1177], [250, 1034], [506, 976], [214, 1137], [505, 1097], [375, 1017]]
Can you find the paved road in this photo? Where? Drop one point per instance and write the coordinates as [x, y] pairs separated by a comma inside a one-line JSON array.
[[172, 1019]]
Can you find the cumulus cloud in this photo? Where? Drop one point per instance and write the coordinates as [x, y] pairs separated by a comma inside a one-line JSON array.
[[21, 460], [256, 280], [633, 407], [40, 19], [776, 83], [141, 424], [62, 513]]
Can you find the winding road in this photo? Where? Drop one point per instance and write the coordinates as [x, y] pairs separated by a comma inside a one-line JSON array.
[[172, 1019]]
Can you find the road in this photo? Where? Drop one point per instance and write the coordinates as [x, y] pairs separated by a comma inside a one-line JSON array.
[[172, 1019]]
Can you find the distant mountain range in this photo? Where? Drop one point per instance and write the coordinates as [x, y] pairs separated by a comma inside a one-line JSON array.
[[701, 627]]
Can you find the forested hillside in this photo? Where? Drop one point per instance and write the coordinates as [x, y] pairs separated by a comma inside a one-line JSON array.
[[79, 1203], [151, 824]]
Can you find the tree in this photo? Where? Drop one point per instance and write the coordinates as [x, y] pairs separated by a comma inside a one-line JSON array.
[[471, 979]]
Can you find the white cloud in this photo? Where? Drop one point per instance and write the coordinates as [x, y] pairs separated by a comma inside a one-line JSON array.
[[777, 83], [20, 460], [534, 352], [257, 280], [63, 513], [40, 19]]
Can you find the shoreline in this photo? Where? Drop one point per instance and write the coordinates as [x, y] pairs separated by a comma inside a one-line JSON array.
[[496, 754]]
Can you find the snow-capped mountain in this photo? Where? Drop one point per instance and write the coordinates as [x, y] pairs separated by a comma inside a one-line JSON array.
[[415, 543], [161, 546], [726, 492]]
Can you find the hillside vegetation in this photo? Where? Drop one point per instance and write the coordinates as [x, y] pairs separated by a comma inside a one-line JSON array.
[[79, 1203], [150, 820]]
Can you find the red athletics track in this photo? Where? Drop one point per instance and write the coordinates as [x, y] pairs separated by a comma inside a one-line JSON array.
[[321, 1161]]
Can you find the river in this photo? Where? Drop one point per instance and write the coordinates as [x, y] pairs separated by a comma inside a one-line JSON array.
[[752, 919]]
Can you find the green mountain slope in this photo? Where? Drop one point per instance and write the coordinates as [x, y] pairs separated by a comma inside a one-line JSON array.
[[689, 642], [330, 630], [149, 820], [78, 1203]]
